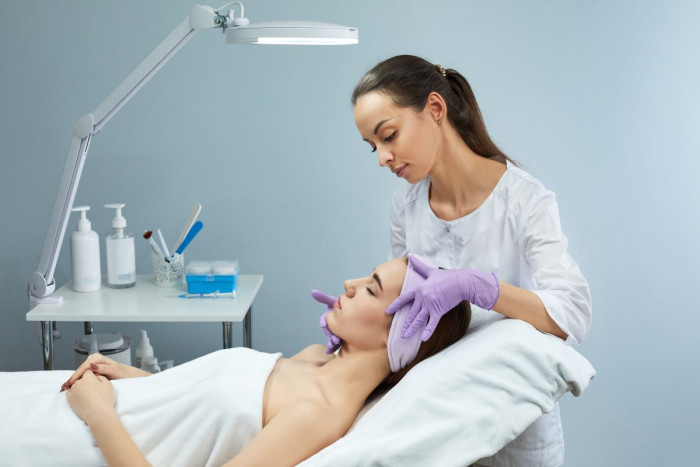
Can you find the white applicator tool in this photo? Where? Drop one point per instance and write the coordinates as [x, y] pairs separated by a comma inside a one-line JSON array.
[[164, 247], [188, 225]]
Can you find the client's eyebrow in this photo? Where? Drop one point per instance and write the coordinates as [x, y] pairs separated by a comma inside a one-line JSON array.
[[379, 281], [377, 127]]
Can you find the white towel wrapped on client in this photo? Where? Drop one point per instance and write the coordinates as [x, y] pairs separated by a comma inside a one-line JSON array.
[[199, 413]]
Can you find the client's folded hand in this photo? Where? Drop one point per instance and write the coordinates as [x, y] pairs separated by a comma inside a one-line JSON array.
[[104, 366], [91, 397]]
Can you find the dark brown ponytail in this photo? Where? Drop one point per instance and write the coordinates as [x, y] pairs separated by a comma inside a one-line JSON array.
[[408, 80], [451, 328]]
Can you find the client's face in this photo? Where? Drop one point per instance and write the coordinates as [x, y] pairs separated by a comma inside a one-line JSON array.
[[359, 316]]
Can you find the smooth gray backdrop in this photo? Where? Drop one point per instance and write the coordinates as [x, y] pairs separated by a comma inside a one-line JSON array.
[[598, 99]]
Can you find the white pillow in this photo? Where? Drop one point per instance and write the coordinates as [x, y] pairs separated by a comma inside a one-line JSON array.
[[466, 402]]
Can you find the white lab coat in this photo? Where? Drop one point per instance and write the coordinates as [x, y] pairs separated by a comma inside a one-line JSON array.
[[516, 234]]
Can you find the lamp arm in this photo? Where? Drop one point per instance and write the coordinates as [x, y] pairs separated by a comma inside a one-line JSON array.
[[41, 282], [148, 67]]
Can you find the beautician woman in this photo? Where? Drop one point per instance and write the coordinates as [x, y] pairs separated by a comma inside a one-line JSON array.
[[468, 207]]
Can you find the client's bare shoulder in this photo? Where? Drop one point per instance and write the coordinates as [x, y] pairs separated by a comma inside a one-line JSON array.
[[313, 353]]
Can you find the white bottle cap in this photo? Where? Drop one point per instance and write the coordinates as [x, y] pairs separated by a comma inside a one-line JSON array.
[[83, 223], [118, 222], [144, 348]]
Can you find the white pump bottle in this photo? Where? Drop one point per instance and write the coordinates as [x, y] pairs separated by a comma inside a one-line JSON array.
[[120, 252], [85, 255]]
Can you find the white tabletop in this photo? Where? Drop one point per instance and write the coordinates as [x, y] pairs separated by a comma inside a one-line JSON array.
[[147, 302]]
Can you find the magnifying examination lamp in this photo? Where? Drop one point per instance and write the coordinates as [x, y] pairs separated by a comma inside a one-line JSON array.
[[238, 30]]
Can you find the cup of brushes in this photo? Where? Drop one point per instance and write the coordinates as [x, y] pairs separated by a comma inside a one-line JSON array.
[[168, 269]]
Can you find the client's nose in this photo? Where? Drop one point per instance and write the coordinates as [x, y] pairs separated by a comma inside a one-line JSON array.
[[349, 287]]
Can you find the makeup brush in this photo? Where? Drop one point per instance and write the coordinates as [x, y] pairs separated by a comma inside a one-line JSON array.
[[148, 235]]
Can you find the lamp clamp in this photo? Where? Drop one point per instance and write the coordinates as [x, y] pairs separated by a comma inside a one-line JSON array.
[[206, 17]]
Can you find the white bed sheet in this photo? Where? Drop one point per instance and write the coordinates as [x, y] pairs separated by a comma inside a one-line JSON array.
[[465, 403]]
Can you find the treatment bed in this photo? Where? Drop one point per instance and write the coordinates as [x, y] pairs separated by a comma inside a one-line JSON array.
[[453, 409]]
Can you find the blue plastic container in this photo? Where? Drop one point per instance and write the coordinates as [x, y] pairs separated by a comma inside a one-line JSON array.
[[204, 277]]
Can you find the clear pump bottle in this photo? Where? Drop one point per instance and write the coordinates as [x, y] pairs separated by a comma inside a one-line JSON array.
[[120, 252], [86, 275]]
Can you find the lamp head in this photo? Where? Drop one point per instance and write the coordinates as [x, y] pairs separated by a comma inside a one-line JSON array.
[[291, 33]]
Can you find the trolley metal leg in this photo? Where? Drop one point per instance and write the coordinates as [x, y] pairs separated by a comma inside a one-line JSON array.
[[228, 334], [247, 342], [247, 328], [47, 344]]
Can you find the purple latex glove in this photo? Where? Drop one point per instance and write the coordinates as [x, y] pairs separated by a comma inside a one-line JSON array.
[[334, 341], [443, 290]]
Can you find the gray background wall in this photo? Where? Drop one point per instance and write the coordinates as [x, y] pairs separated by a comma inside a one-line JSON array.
[[598, 99]]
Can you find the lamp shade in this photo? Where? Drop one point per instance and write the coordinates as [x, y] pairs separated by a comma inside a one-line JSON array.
[[292, 33]]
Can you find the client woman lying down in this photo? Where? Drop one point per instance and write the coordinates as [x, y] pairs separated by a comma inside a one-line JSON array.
[[240, 406]]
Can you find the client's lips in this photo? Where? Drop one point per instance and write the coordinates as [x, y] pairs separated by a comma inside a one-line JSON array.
[[337, 304], [399, 171]]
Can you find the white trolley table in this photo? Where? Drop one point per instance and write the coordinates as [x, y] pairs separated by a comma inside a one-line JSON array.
[[146, 302]]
